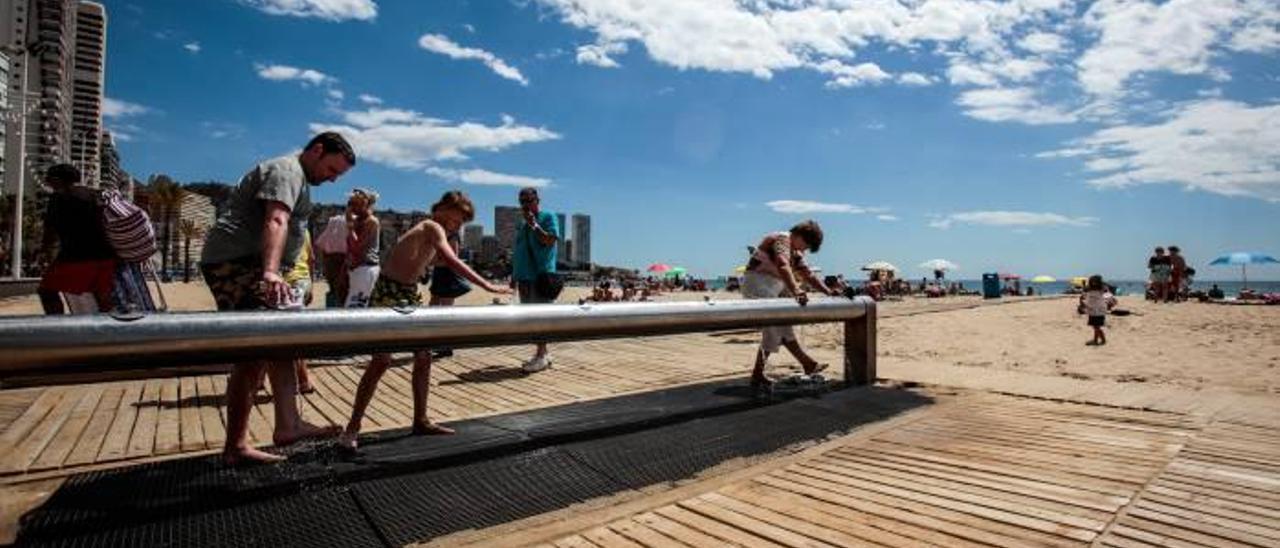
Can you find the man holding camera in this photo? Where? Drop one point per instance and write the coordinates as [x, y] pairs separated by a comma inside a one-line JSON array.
[[533, 258]]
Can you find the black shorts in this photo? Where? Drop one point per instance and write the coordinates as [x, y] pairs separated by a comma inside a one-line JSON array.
[[447, 284], [1097, 321], [528, 292]]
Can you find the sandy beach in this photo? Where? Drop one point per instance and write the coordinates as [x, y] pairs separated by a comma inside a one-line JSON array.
[[1190, 345]]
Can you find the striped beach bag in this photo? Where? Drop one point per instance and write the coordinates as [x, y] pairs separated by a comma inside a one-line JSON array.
[[127, 227]]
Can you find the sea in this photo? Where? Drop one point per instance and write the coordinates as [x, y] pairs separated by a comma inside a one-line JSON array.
[[1123, 287]]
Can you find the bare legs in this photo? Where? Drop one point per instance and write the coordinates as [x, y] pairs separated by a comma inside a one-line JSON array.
[[810, 365], [289, 426], [421, 381]]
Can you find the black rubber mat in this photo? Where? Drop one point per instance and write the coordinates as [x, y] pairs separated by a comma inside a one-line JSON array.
[[423, 506], [328, 518], [403, 489]]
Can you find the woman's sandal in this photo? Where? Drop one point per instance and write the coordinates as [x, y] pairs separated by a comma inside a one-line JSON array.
[[816, 368]]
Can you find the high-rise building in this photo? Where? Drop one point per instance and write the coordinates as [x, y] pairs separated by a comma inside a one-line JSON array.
[[489, 250], [109, 171], [4, 108], [582, 239], [471, 236], [562, 247], [505, 220], [56, 54], [87, 82]]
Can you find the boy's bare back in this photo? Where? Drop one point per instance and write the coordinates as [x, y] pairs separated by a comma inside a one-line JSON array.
[[414, 252]]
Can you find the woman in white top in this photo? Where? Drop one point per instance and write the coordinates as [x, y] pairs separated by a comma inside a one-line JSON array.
[[771, 273]]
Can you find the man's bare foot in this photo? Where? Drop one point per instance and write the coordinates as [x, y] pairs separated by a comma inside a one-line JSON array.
[[815, 367], [347, 440], [305, 431], [431, 429], [249, 455]]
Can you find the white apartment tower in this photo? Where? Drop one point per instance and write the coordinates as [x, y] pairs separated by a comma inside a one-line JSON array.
[[87, 84], [582, 239]]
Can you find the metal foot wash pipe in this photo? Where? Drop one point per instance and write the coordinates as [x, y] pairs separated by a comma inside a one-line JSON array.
[[81, 344]]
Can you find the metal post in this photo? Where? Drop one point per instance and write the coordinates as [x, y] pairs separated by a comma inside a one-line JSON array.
[[15, 247], [860, 347]]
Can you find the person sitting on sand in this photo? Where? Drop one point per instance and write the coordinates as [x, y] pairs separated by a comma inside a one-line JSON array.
[[397, 285], [771, 273], [1096, 302], [1216, 293]]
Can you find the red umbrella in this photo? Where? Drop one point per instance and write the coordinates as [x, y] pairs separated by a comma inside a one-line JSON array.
[[1006, 276], [659, 267]]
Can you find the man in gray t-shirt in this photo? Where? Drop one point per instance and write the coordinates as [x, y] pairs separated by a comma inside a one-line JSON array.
[[243, 254]]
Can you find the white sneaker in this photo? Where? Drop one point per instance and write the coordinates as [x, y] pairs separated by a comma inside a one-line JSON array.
[[538, 363]]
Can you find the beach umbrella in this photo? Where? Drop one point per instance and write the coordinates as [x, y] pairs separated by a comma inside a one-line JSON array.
[[939, 264], [1244, 259], [1008, 276], [1043, 279], [1079, 281], [659, 267], [740, 269], [880, 265], [674, 272]]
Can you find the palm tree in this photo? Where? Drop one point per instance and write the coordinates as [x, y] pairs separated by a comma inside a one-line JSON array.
[[189, 230], [166, 201]]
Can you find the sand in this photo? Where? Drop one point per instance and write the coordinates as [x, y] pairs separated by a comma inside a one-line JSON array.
[[1190, 345]]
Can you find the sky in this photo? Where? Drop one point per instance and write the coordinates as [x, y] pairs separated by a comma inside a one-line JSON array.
[[1058, 137]]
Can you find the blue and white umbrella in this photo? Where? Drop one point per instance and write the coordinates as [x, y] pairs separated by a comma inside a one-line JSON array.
[[1244, 259]]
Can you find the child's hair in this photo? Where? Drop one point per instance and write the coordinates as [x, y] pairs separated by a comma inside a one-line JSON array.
[[1095, 283], [457, 200], [365, 193], [810, 232]]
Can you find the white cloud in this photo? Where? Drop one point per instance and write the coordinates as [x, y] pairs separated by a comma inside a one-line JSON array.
[[336, 94], [329, 10], [599, 54], [887, 218], [1021, 219], [1043, 43], [408, 140], [116, 108], [1011, 104], [284, 73], [469, 27], [193, 47], [486, 177], [370, 99], [846, 76], [222, 130], [1177, 36], [441, 44], [805, 207], [914, 79], [1217, 146], [962, 74]]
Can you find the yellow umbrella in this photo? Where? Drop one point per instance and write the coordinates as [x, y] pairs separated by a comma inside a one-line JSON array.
[[1079, 281], [740, 269], [1042, 279]]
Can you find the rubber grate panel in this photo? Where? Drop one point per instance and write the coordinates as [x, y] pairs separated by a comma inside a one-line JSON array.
[[423, 506], [328, 518], [681, 451]]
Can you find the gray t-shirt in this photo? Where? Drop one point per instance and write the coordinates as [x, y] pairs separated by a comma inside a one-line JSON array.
[[238, 232]]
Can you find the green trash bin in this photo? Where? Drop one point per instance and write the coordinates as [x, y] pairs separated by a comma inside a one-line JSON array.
[[991, 286]]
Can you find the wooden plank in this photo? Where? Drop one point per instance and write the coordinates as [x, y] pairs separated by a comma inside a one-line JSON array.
[[191, 432], [1068, 495], [573, 542], [1234, 506], [60, 446], [715, 528], [606, 538], [1082, 467], [384, 415], [1195, 535], [866, 525], [142, 441], [91, 440], [168, 427], [35, 414], [26, 451], [1247, 523], [675, 530], [965, 525], [643, 535], [772, 532], [815, 531], [339, 392], [1124, 532], [1193, 484], [211, 422], [116, 443], [1224, 529]]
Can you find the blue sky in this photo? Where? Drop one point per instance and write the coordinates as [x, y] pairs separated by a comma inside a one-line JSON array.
[[1052, 137]]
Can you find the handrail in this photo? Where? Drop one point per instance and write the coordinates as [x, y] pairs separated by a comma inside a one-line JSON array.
[[51, 344]]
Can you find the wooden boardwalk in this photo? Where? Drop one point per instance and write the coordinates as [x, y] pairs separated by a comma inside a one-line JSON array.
[[66, 429], [982, 470]]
